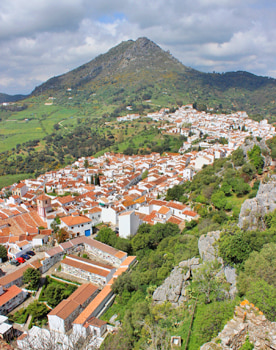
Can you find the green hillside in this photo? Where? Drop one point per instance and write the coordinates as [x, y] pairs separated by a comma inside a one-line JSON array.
[[135, 73]]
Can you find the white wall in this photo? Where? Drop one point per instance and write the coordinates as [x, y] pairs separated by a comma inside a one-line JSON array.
[[109, 215], [56, 323], [128, 225]]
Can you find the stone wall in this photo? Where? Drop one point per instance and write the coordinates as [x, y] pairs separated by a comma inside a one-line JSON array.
[[249, 322]]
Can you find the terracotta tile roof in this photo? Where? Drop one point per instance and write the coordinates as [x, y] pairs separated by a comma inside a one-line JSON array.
[[98, 245], [64, 309], [88, 311], [149, 218], [75, 220], [13, 276], [120, 254], [46, 232], [84, 292], [176, 205], [66, 245], [9, 294], [91, 269], [43, 197], [22, 244], [125, 213], [89, 261], [119, 271], [128, 261], [95, 322], [36, 264], [163, 210], [95, 210], [189, 213], [174, 220], [66, 199], [158, 202], [54, 251]]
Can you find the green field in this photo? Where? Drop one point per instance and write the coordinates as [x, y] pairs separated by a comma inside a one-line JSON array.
[[7, 180]]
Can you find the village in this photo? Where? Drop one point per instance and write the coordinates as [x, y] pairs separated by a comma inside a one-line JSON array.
[[117, 190]]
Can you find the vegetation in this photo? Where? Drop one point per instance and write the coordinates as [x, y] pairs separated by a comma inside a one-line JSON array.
[[31, 277], [258, 279], [54, 291], [3, 252], [37, 310], [35, 137], [217, 194]]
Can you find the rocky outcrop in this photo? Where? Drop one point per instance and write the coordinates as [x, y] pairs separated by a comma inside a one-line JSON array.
[[173, 288], [250, 143], [249, 322], [207, 247], [254, 210]]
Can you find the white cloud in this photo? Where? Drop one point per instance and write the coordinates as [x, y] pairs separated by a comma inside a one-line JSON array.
[[40, 39]]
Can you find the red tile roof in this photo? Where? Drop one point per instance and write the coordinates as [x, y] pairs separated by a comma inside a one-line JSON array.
[[95, 303], [75, 220], [9, 294]]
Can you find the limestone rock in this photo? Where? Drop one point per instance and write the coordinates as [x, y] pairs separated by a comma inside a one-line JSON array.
[[248, 321], [206, 245], [253, 210], [173, 288]]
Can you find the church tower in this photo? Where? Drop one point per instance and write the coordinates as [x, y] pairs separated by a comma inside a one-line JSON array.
[[43, 205]]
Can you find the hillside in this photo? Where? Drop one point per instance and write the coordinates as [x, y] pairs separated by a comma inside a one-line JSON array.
[[140, 70], [187, 284], [133, 77]]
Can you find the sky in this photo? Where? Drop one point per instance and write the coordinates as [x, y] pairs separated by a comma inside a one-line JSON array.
[[40, 39]]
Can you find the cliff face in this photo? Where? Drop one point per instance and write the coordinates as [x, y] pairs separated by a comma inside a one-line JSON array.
[[253, 210], [249, 322]]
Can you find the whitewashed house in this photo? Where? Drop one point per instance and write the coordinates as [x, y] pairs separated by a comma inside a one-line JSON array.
[[128, 224]]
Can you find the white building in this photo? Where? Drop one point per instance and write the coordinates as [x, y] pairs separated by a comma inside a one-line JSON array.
[[128, 224], [61, 317], [79, 225]]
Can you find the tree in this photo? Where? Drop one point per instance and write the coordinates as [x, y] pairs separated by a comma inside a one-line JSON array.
[[255, 156], [234, 247], [3, 252], [258, 280], [206, 281], [238, 157], [107, 235], [62, 235], [54, 294], [219, 200], [31, 277], [145, 174], [37, 310], [86, 164]]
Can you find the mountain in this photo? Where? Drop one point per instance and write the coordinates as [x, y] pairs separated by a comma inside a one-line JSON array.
[[11, 98], [139, 70]]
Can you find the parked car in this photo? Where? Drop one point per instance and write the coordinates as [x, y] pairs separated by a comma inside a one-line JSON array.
[[20, 260], [14, 262], [30, 252], [25, 256]]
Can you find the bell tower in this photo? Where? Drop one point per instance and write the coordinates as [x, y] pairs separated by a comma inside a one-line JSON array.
[[43, 205]]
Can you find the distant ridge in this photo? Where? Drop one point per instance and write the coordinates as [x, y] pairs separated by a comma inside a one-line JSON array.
[[11, 98]]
